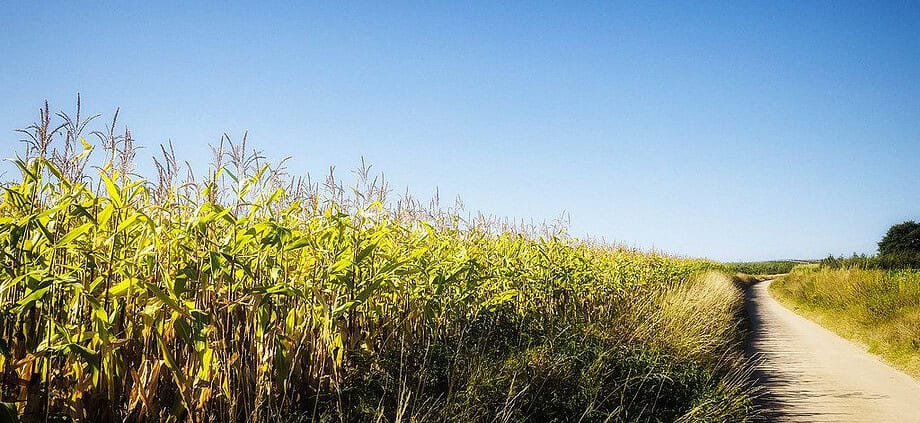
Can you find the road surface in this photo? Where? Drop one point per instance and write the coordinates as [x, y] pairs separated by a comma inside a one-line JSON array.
[[809, 374]]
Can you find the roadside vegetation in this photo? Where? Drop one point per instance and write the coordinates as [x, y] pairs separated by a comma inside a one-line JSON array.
[[899, 249], [894, 261], [245, 294], [876, 307], [872, 299]]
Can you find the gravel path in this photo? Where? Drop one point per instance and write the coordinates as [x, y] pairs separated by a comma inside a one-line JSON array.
[[809, 374]]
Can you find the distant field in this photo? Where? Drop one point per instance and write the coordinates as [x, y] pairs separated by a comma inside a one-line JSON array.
[[876, 307], [774, 267]]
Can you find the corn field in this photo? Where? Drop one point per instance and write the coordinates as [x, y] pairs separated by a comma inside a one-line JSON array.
[[246, 294]]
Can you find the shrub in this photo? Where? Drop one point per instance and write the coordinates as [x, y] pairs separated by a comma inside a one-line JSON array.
[[901, 239]]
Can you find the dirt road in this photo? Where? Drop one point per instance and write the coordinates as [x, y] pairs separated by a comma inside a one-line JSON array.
[[809, 374]]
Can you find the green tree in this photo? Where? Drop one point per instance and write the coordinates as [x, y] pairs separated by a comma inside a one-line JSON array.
[[900, 239]]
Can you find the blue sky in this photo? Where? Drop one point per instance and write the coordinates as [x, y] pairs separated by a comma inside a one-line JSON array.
[[727, 130]]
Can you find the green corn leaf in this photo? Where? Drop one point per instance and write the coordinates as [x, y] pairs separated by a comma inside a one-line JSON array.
[[89, 357], [366, 251], [342, 308], [340, 265], [112, 190], [165, 298], [122, 288], [33, 297], [170, 361], [74, 234], [78, 210], [298, 244]]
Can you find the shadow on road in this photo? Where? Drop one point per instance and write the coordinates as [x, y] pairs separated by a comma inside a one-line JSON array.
[[772, 406]]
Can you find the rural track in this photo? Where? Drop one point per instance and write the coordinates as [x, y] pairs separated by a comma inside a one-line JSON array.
[[809, 374]]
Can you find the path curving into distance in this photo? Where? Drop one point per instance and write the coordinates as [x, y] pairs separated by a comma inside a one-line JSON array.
[[809, 374]]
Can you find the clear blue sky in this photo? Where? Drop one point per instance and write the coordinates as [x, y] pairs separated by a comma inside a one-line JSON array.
[[731, 131]]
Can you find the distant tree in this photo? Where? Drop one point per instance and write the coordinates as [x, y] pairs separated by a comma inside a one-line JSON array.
[[903, 238]]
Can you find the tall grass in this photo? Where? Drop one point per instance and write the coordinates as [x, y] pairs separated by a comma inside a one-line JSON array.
[[249, 295], [877, 307]]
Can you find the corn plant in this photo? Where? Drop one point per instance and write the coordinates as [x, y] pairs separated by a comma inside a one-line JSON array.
[[249, 295]]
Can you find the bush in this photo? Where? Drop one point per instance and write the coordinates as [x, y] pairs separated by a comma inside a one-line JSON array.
[[903, 238]]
